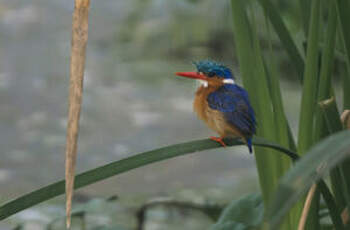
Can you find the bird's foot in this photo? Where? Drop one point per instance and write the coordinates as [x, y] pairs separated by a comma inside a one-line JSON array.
[[219, 139]]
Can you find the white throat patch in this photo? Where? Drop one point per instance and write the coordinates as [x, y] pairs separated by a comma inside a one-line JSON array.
[[203, 83], [228, 81]]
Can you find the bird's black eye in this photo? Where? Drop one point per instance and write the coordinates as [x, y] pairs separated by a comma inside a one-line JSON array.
[[211, 74]]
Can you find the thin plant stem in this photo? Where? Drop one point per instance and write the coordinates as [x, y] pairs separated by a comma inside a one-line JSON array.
[[307, 206], [77, 66]]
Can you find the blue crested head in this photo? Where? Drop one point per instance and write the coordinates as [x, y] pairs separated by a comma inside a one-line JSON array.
[[211, 69]]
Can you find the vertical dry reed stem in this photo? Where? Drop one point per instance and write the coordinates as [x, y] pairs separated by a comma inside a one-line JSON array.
[[79, 40], [345, 118], [345, 216], [307, 206]]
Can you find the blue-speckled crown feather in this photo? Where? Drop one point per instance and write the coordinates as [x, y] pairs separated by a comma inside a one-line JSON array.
[[211, 68]]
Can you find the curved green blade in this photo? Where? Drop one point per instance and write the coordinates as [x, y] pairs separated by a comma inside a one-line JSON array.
[[118, 167]]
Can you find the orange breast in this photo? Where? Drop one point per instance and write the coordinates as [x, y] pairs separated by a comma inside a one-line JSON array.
[[213, 118]]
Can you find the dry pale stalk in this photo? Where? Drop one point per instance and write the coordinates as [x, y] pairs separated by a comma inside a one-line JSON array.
[[77, 65], [345, 118], [345, 216], [306, 209]]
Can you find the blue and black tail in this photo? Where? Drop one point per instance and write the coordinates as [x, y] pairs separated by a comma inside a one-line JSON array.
[[249, 144]]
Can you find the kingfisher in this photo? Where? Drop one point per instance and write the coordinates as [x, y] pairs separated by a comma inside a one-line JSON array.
[[222, 104]]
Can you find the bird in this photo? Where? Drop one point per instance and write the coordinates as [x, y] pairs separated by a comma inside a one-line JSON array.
[[222, 104]]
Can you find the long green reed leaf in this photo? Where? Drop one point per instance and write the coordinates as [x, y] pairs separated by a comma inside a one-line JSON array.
[[308, 102], [283, 128], [277, 164], [270, 166], [331, 115], [243, 40], [284, 36], [346, 91], [325, 86], [89, 177], [249, 54], [343, 9], [305, 6], [309, 96], [334, 210]]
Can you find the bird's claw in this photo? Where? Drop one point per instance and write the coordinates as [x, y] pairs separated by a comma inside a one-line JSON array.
[[219, 140]]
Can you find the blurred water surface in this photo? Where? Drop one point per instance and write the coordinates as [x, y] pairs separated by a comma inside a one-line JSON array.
[[132, 100]]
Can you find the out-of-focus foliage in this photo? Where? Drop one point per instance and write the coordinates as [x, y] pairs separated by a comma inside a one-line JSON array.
[[242, 214], [274, 124], [308, 170]]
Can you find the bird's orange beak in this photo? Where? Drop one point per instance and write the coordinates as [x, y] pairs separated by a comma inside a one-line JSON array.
[[193, 75]]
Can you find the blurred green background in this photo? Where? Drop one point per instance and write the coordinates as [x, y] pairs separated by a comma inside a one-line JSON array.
[[132, 100]]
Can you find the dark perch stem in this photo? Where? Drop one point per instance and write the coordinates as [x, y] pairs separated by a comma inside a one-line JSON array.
[[208, 209]]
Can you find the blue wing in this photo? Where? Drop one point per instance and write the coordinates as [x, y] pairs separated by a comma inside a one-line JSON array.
[[233, 101]]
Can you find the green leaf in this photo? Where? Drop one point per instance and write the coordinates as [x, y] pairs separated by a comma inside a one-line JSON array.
[[282, 126], [285, 37], [331, 115], [121, 166], [346, 91], [343, 9], [309, 169], [310, 86], [249, 54], [270, 166], [325, 86], [245, 52], [309, 95], [334, 210], [245, 213], [305, 8]]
